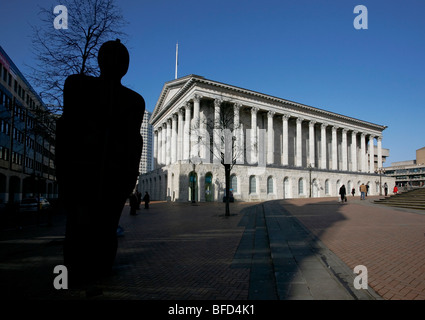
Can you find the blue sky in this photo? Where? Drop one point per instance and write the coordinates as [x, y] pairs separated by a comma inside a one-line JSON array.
[[306, 51]]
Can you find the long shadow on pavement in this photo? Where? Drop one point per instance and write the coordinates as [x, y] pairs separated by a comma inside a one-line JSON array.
[[287, 261]]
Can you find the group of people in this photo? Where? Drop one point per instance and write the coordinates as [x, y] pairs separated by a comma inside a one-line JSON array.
[[135, 200], [364, 189]]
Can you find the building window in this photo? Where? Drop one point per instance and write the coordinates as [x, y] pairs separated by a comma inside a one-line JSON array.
[[252, 184], [338, 185], [4, 127], [301, 186], [270, 184], [17, 158], [327, 186], [4, 153], [234, 183]]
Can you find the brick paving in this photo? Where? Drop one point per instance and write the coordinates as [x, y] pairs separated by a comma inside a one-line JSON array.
[[186, 253], [390, 242], [171, 251], [192, 252]]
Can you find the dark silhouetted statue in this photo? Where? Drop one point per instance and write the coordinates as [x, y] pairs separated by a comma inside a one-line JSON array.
[[98, 149]]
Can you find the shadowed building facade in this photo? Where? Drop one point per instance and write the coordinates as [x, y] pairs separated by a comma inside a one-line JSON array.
[[27, 138], [282, 149]]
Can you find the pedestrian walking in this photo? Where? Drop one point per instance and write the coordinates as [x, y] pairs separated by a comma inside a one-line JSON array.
[[363, 191], [353, 191], [395, 190], [133, 204], [343, 192], [146, 199], [385, 189]]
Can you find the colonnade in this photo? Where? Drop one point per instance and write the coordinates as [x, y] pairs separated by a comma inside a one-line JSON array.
[[173, 140]]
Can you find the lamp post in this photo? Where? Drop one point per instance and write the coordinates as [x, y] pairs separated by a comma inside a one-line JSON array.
[[380, 171], [309, 169], [193, 178]]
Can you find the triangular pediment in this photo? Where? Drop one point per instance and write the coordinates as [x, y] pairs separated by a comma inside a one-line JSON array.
[[170, 91], [170, 94]]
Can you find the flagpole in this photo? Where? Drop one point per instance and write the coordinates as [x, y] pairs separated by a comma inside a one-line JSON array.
[[177, 58]]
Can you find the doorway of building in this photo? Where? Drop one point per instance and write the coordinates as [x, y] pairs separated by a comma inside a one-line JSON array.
[[193, 186], [286, 188], [209, 192]]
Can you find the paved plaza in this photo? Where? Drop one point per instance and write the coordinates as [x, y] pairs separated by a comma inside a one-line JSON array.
[[298, 249]]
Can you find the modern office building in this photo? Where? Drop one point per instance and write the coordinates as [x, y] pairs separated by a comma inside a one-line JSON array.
[[146, 131], [409, 173], [280, 148], [26, 138]]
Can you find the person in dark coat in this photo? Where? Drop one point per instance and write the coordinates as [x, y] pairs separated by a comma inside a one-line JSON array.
[[343, 192], [134, 203], [146, 199]]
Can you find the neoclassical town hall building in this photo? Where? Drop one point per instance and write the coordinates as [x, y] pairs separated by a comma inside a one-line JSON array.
[[282, 149]]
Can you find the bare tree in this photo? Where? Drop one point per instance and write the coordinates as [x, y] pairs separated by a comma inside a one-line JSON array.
[[220, 136], [62, 52]]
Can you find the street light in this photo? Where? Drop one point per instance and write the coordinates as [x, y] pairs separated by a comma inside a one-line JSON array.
[[193, 178], [309, 169], [380, 171]]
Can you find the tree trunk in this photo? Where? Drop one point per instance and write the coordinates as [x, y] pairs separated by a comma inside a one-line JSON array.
[[227, 193]]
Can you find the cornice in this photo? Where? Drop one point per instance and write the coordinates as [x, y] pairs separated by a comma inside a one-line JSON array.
[[191, 80]]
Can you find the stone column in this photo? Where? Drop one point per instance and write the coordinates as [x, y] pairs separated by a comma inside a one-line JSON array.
[[334, 149], [371, 154], [180, 135], [168, 143], [344, 150], [196, 118], [217, 131], [155, 149], [160, 146], [237, 132], [285, 151], [298, 154], [270, 138], [379, 152], [363, 152], [323, 145], [164, 144], [311, 141], [186, 133], [354, 151], [204, 147], [254, 141], [174, 139]]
